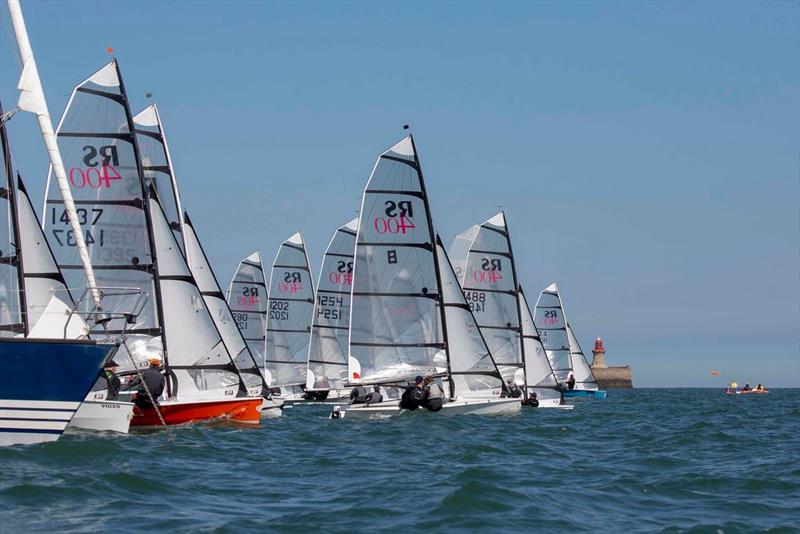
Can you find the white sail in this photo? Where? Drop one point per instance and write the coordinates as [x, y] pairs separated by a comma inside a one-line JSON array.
[[12, 316], [552, 326], [42, 277], [290, 311], [157, 166], [247, 298], [193, 344], [218, 307], [102, 164], [584, 379], [538, 372], [473, 372], [484, 262], [327, 351], [395, 320]]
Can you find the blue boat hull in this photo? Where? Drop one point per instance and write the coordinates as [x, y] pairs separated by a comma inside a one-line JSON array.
[[599, 394], [42, 384]]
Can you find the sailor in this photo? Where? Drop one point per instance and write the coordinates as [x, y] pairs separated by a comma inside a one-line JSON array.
[[113, 383], [571, 380], [759, 388], [747, 387], [531, 401], [513, 389], [152, 380], [375, 397], [413, 395], [433, 396], [358, 395]]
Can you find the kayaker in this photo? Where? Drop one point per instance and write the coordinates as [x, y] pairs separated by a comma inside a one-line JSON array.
[[113, 383], [152, 380], [413, 395], [433, 396], [374, 397], [571, 380]]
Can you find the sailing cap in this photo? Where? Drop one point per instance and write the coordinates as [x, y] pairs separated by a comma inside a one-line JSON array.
[[110, 363]]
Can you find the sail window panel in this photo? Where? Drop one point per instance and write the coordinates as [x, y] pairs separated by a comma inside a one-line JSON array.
[[491, 237], [477, 385], [395, 321], [394, 218], [392, 175], [459, 250], [396, 271], [211, 379], [382, 364], [487, 271]]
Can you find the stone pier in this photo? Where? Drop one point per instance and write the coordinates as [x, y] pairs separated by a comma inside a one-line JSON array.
[[609, 377]]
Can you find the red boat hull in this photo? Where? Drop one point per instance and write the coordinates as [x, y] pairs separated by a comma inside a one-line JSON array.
[[241, 410]]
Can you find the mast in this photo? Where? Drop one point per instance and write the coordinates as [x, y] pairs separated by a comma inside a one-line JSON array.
[[32, 99], [12, 201], [439, 296], [517, 290]]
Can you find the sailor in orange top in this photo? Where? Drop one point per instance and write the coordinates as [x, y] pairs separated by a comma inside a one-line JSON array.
[[152, 380]]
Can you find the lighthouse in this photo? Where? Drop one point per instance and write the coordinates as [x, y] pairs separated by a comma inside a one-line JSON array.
[[609, 377]]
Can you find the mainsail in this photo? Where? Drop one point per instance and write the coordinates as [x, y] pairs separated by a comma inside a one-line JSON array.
[[483, 260], [247, 298], [157, 166], [101, 159], [327, 351], [584, 379], [538, 372], [291, 307], [13, 321], [562, 347], [396, 329]]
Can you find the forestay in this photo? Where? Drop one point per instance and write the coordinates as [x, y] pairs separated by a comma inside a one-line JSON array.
[[484, 263], [12, 316], [473, 372], [290, 311], [584, 379], [247, 298], [552, 326], [538, 372], [101, 160], [395, 322], [218, 307], [327, 351]]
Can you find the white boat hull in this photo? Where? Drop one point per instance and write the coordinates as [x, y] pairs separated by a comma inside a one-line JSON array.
[[103, 415], [271, 408], [478, 406]]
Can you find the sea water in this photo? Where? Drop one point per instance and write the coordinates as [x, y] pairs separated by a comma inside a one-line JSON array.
[[640, 460]]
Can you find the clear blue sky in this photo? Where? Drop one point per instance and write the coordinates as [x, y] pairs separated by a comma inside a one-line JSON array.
[[647, 153]]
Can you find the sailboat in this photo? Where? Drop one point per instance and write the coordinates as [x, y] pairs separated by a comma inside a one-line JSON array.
[[290, 311], [46, 370], [327, 352], [563, 351], [158, 169], [408, 315], [133, 245], [484, 261]]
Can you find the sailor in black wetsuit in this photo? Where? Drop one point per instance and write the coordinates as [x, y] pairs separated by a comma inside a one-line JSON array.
[[413, 396], [571, 380], [358, 395], [513, 389], [151, 380], [375, 397], [113, 383], [433, 396], [531, 401]]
